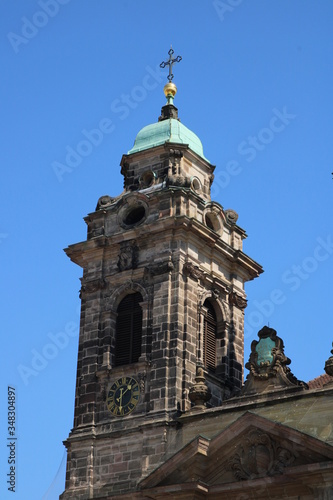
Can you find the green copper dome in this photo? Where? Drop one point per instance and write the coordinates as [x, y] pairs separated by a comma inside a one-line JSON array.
[[167, 130]]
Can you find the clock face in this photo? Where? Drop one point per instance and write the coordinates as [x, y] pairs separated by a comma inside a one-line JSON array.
[[123, 396]]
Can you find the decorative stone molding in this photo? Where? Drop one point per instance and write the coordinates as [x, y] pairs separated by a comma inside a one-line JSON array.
[[237, 300], [268, 365], [114, 297], [128, 257], [142, 381], [259, 456], [161, 267], [193, 271], [199, 393], [223, 309], [213, 208], [92, 286]]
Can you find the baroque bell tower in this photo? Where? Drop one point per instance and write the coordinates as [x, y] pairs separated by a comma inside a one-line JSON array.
[[162, 301]]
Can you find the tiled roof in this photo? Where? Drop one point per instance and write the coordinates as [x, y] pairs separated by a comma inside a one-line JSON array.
[[320, 382]]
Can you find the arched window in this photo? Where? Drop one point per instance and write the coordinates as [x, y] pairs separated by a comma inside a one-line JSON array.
[[209, 337], [129, 330]]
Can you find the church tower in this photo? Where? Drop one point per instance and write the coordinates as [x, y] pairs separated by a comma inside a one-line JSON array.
[[162, 307]]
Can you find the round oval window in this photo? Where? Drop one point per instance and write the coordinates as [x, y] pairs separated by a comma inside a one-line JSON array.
[[196, 184], [135, 215], [147, 178]]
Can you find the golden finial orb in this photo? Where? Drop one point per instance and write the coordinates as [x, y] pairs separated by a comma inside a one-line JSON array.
[[170, 90]]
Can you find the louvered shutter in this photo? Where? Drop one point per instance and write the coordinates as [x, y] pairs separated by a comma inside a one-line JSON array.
[[129, 330], [210, 337]]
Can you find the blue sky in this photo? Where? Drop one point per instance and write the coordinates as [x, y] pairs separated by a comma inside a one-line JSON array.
[[255, 84]]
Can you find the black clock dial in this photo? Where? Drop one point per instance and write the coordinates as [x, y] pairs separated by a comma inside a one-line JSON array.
[[123, 396]]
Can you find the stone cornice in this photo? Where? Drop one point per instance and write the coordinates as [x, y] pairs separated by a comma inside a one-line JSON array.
[[86, 251], [250, 403]]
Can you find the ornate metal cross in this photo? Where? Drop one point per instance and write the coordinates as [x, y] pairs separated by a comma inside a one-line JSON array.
[[170, 62]]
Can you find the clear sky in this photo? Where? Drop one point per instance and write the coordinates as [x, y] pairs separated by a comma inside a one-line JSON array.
[[255, 84]]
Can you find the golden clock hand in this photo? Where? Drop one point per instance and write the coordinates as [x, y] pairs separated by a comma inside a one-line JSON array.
[[120, 397], [129, 387], [121, 400]]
